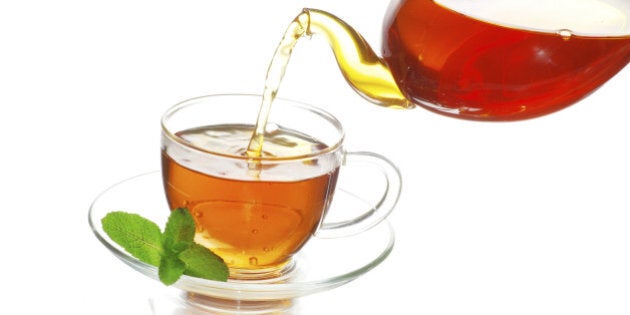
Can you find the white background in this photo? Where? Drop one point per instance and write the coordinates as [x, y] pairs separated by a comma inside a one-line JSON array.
[[495, 218]]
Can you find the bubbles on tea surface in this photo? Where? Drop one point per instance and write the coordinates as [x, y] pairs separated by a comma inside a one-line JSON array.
[[231, 140], [266, 249], [254, 231], [253, 261], [565, 34]]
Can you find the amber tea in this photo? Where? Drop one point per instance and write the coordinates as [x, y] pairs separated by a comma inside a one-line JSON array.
[[505, 60], [251, 222], [257, 218]]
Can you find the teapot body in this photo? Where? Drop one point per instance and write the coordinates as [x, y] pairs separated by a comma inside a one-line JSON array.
[[457, 65]]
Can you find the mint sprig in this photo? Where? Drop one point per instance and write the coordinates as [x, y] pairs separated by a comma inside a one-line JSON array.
[[174, 251]]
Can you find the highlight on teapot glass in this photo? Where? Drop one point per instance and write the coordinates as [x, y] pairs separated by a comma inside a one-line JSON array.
[[491, 60]]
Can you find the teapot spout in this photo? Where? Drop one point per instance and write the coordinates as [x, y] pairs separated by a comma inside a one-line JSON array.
[[361, 67]]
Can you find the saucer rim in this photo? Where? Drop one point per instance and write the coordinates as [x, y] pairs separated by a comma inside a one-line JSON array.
[[239, 290]]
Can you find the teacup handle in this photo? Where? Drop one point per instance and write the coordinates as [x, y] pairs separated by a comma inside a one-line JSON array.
[[380, 210]]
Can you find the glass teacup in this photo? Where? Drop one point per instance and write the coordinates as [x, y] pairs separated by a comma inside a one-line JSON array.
[[257, 212]]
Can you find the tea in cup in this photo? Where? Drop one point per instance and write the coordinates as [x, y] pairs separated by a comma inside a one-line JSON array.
[[257, 212]]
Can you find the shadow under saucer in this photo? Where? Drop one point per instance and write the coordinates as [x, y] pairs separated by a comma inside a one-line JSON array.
[[186, 303]]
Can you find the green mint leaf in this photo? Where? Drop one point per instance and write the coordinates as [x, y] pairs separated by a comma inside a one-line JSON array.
[[171, 268], [179, 232], [137, 235], [203, 263], [174, 252], [178, 236]]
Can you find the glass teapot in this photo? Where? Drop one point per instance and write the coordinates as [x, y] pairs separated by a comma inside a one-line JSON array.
[[492, 60]]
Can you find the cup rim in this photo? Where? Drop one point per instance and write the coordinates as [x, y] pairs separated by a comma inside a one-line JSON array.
[[288, 102]]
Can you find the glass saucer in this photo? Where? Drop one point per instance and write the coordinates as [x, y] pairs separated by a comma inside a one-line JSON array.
[[322, 264]]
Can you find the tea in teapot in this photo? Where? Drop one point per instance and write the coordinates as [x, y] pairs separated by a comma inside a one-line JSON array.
[[502, 59]]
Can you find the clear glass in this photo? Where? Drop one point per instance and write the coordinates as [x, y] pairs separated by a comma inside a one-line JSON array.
[[489, 60], [316, 268], [504, 59], [256, 212]]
